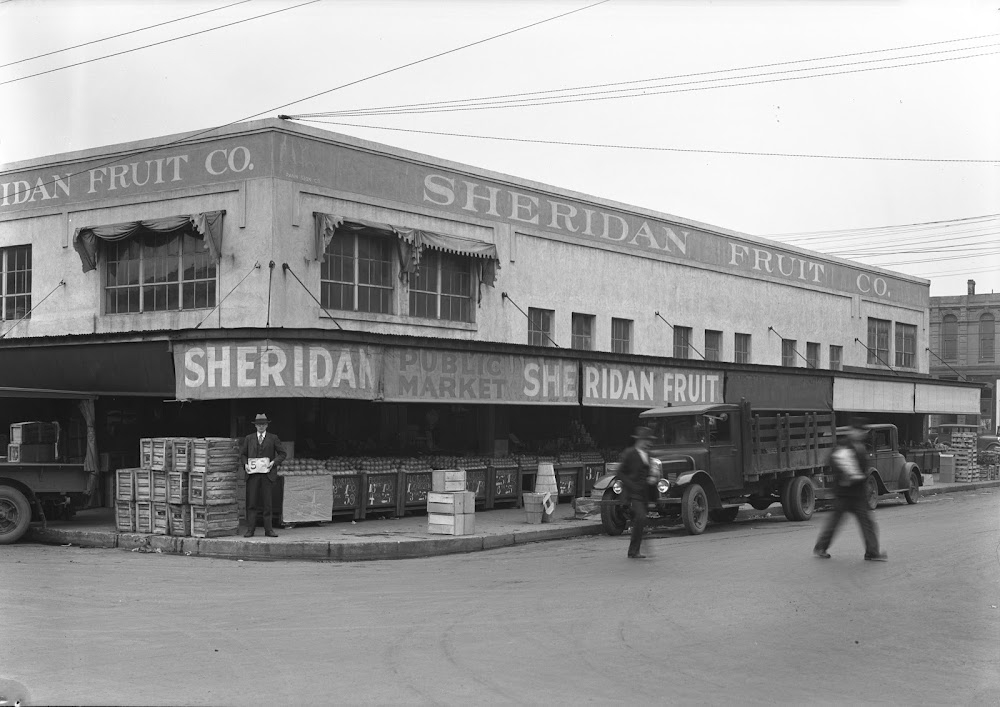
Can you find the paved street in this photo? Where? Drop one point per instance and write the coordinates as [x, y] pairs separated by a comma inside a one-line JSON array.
[[743, 614]]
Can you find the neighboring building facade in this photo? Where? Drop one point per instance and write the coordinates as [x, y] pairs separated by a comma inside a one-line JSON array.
[[384, 298], [964, 339]]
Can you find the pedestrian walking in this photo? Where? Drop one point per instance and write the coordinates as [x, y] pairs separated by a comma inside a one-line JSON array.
[[260, 478], [635, 474], [848, 461]]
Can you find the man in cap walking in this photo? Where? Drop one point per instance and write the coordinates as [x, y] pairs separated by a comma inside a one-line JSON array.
[[634, 472], [260, 476]]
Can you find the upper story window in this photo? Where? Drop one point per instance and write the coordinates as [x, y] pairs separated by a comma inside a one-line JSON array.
[[621, 335], [987, 334], [15, 282], [906, 345], [356, 273], [949, 337], [713, 345], [441, 287], [155, 265], [836, 358], [540, 331], [583, 331], [812, 354], [682, 342], [878, 341], [742, 348], [788, 352]]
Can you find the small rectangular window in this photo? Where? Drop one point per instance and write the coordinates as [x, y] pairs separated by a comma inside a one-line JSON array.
[[836, 358], [906, 345], [583, 331], [742, 348], [621, 335], [812, 354], [15, 282], [682, 342], [540, 331], [441, 288], [713, 345], [788, 353], [878, 341]]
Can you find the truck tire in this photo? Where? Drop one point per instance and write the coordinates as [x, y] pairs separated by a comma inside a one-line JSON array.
[[723, 515], [798, 499], [871, 493], [694, 509], [912, 494], [613, 515], [15, 515]]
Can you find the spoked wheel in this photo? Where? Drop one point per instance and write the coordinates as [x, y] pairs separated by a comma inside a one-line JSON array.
[[614, 516], [871, 493], [15, 515], [912, 494], [694, 509]]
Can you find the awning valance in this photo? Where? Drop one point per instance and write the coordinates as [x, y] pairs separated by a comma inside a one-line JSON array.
[[208, 225], [412, 242]]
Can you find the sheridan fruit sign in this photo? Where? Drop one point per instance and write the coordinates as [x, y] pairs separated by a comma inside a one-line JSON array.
[[614, 385]]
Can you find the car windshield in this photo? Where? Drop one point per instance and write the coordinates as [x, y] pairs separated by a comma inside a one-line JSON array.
[[685, 429]]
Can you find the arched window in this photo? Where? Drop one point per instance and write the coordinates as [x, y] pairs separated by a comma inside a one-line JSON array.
[[949, 337], [987, 334]]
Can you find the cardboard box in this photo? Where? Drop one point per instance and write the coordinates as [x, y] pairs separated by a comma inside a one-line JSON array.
[[461, 524], [455, 503], [448, 480]]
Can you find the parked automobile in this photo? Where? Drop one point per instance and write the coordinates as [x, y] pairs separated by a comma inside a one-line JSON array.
[[984, 442]]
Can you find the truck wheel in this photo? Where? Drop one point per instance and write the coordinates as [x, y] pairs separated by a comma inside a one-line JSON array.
[[871, 493], [798, 499], [723, 515], [912, 494], [694, 509], [15, 515], [614, 516]]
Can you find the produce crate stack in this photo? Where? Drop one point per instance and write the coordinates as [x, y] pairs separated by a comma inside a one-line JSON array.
[[963, 446], [213, 487], [125, 499], [451, 510], [989, 466], [32, 442]]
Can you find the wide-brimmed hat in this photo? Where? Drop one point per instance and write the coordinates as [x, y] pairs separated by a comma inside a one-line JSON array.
[[261, 418], [642, 432]]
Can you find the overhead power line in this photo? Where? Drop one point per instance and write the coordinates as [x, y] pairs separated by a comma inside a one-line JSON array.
[[649, 148], [650, 80], [866, 229], [156, 44], [123, 34], [190, 138]]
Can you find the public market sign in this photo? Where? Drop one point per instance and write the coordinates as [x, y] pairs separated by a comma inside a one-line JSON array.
[[615, 385]]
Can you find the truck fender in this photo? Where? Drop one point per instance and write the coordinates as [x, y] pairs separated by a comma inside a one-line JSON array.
[[873, 472], [604, 482], [701, 478], [904, 480]]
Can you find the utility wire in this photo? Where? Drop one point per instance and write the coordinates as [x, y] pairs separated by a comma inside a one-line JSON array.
[[192, 137], [156, 44], [643, 147], [123, 34], [666, 78], [879, 228]]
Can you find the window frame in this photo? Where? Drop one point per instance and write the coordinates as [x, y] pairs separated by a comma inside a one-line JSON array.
[[836, 362], [10, 300], [545, 332], [949, 337], [987, 339], [463, 268], [788, 352], [329, 287], [906, 356], [621, 344], [582, 341], [742, 354], [714, 352], [813, 354], [879, 330], [682, 342]]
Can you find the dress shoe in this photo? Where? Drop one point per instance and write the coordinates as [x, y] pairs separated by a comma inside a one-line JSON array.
[[270, 533], [637, 556], [880, 557], [248, 534], [821, 553]]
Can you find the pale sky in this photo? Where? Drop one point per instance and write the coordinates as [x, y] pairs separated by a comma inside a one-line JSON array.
[[944, 106]]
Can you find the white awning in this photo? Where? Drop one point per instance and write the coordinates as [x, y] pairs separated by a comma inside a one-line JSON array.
[[864, 395], [946, 399]]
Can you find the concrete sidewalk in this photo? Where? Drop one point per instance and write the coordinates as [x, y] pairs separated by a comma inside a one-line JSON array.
[[374, 539]]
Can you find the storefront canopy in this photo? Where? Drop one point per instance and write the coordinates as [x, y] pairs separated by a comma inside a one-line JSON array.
[[208, 225], [412, 243]]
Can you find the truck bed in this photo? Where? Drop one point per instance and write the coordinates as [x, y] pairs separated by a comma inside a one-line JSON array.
[[790, 442], [47, 477]]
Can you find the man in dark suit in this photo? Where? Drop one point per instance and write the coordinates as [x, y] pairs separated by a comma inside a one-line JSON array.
[[260, 482], [634, 473]]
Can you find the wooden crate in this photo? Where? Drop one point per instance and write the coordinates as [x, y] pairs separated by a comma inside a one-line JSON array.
[[182, 453], [125, 484], [177, 486], [32, 433], [158, 493], [214, 521], [30, 453], [461, 524], [146, 453], [161, 519], [215, 454], [179, 519], [144, 516], [162, 454], [213, 488], [448, 480], [306, 499], [125, 516], [143, 484], [451, 504]]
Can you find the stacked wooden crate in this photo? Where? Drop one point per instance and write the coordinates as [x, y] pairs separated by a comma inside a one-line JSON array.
[[451, 510], [963, 445], [125, 500], [212, 489], [178, 481], [32, 442]]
